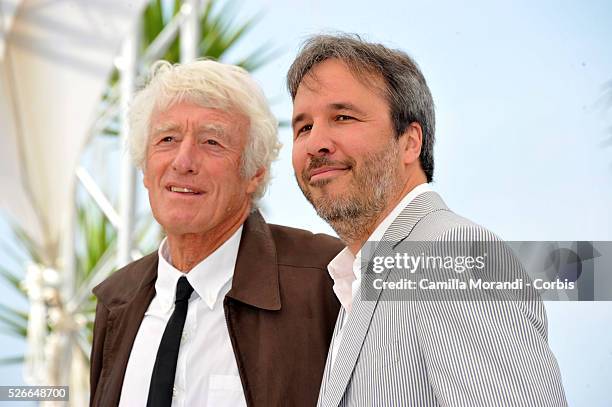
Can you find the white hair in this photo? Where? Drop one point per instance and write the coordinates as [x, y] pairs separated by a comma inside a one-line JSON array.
[[213, 85]]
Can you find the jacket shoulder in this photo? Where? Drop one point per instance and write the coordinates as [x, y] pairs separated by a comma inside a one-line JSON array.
[[120, 286], [302, 248], [447, 225]]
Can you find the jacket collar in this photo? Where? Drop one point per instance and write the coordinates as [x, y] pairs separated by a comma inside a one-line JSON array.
[[128, 284], [413, 213], [256, 280]]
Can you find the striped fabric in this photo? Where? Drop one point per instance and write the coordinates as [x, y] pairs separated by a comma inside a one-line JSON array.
[[442, 353]]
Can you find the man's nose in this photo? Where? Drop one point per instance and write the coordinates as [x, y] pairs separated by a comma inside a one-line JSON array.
[[320, 141], [185, 161]]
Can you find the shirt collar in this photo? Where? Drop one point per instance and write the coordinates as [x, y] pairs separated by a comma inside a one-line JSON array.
[[380, 230], [341, 266], [346, 264], [207, 278]]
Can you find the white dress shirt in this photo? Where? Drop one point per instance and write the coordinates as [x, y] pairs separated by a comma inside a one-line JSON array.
[[206, 369], [345, 268]]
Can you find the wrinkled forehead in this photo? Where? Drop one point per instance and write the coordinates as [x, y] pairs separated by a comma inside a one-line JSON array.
[[226, 108]]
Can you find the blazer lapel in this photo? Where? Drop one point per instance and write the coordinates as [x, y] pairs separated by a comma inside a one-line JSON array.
[[358, 323], [328, 364]]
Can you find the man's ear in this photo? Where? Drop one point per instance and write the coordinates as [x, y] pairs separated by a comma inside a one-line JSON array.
[[412, 141], [256, 180], [143, 168], [144, 177]]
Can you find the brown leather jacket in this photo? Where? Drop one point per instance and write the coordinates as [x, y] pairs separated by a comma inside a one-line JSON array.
[[280, 314]]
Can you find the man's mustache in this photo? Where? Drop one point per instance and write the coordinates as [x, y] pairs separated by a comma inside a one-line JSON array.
[[323, 161]]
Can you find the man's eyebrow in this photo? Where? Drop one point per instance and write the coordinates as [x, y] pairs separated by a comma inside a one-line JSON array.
[[345, 106], [204, 128], [212, 128], [331, 106], [297, 118], [165, 127]]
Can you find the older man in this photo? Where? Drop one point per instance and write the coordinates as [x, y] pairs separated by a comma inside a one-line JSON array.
[[230, 311], [363, 125]]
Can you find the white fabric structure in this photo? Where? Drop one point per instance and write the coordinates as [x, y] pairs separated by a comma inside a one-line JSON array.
[[7, 13], [55, 59]]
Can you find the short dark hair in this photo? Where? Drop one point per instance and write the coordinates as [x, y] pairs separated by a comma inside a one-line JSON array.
[[405, 88]]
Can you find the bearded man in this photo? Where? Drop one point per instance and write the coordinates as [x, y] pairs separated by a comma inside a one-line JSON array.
[[363, 136]]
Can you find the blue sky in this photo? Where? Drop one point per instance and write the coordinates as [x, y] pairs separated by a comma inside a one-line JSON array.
[[518, 89]]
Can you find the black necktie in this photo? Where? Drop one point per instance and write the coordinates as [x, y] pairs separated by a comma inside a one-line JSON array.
[[162, 379]]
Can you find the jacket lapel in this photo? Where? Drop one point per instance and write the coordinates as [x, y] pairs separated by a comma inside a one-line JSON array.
[[328, 365], [255, 281], [125, 315], [358, 323]]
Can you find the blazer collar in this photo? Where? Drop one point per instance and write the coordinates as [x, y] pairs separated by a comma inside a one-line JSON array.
[[421, 206], [256, 280]]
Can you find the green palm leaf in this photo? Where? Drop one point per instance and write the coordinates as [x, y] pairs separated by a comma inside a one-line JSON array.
[[12, 360]]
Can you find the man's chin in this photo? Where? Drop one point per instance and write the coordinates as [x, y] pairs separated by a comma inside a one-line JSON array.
[[319, 197], [179, 225], [320, 183], [328, 189]]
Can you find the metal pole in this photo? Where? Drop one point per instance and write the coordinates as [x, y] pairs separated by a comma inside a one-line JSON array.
[[129, 69], [190, 30], [98, 196], [67, 264]]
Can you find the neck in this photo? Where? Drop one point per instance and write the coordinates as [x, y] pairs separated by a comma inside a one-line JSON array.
[[189, 249], [355, 244]]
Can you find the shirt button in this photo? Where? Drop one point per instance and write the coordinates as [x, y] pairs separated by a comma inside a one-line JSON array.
[[184, 336], [174, 392]]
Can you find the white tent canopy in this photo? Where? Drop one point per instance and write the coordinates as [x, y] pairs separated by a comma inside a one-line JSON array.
[[56, 60], [7, 13]]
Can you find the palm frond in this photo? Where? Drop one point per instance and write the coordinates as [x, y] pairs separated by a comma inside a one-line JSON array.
[[98, 236], [12, 360], [12, 280], [33, 249], [152, 21], [261, 56], [12, 327], [21, 317]]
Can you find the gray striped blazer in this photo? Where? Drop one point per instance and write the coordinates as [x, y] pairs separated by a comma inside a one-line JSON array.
[[442, 353]]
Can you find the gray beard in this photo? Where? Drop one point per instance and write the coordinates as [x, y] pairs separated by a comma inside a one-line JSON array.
[[353, 215]]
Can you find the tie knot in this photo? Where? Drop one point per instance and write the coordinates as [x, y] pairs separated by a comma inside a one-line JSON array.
[[183, 289]]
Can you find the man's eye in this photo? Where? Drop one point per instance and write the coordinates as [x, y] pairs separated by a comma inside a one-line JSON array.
[[301, 130], [167, 139], [212, 142], [343, 117]]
